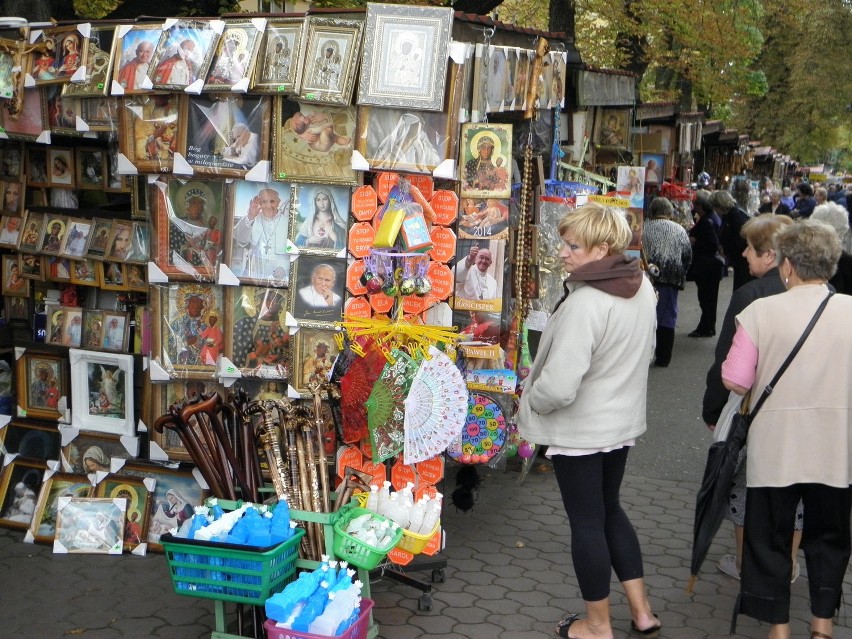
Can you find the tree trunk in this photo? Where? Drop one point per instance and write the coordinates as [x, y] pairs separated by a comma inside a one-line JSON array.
[[562, 18]]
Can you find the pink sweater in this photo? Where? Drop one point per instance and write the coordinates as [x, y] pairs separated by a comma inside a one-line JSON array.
[[740, 366]]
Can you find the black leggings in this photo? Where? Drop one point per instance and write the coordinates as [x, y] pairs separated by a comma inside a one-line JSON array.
[[602, 537]]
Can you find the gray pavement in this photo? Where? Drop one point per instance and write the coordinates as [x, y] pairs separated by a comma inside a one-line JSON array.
[[508, 571]]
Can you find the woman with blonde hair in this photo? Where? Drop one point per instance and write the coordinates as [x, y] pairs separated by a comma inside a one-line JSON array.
[[585, 399]]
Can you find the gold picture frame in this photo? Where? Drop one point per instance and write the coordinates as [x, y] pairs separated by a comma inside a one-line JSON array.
[[332, 53]]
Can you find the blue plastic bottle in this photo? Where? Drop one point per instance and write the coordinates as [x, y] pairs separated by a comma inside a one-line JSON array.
[[280, 605], [313, 609]]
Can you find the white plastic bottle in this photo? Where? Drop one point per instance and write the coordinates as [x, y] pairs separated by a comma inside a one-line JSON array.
[[373, 498], [431, 516], [408, 494], [417, 513], [384, 493]]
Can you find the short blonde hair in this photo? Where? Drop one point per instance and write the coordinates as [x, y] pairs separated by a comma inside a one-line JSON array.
[[812, 247], [760, 231], [593, 224]]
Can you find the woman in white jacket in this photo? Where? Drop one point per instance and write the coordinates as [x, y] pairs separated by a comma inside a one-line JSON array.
[[585, 399]]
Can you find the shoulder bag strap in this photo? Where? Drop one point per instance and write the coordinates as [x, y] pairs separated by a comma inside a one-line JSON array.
[[771, 386]]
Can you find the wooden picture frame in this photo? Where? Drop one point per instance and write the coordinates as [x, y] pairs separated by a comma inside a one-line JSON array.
[[77, 238], [383, 132], [163, 396], [314, 143], [332, 52], [31, 266], [31, 121], [91, 168], [20, 482], [102, 392], [116, 329], [97, 114], [60, 55], [13, 159], [182, 335], [258, 251], [183, 54], [61, 111], [138, 510], [133, 49], [92, 452], [93, 329], [486, 160], [57, 268], [136, 278], [187, 248], [176, 494], [314, 353], [112, 276], [37, 166], [43, 524], [54, 329], [14, 284], [120, 243], [320, 218], [612, 127], [150, 127], [42, 381], [235, 56], [405, 56], [11, 197], [30, 439], [17, 308], [85, 272], [225, 135], [72, 329], [140, 243], [89, 525], [53, 234], [99, 238], [319, 283], [31, 235], [140, 200], [8, 60], [10, 230], [257, 338], [99, 65], [60, 163], [281, 57]]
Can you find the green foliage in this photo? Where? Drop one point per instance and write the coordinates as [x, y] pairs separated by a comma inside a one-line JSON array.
[[524, 13], [95, 9]]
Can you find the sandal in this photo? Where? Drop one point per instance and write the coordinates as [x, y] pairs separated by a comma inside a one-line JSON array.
[[653, 631], [563, 626]]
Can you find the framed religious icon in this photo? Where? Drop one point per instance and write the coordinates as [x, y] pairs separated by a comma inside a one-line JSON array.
[[140, 202], [55, 227], [136, 278], [85, 272], [260, 219], [72, 329], [102, 392], [100, 238], [183, 54], [43, 526], [281, 57], [654, 164], [176, 494], [42, 381], [99, 67], [405, 56], [17, 308], [314, 352], [61, 114], [120, 242], [163, 396], [12, 198], [258, 338], [91, 168], [59, 55], [149, 130], [8, 78], [235, 56], [138, 498], [140, 243], [321, 220], [97, 114], [479, 275], [93, 329], [189, 223], [10, 230], [486, 160], [14, 284], [190, 335], [60, 167], [91, 452], [31, 237], [314, 142], [31, 121], [29, 439], [31, 268], [225, 135], [116, 326], [332, 52], [55, 315], [318, 286], [611, 127], [402, 140], [89, 525], [20, 482], [36, 166], [57, 269], [12, 161], [484, 218], [112, 275], [134, 48]]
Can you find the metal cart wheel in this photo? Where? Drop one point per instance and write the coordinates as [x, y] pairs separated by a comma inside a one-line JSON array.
[[438, 576], [425, 603]]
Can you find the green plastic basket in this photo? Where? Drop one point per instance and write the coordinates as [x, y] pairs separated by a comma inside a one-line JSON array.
[[355, 551], [227, 572]]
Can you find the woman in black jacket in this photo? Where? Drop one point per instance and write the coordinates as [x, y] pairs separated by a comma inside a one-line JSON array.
[[706, 268]]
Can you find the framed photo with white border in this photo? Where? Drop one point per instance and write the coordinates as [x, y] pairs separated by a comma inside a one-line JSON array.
[[102, 392]]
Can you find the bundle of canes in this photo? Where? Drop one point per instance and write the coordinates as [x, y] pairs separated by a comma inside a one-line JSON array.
[[266, 433], [243, 434]]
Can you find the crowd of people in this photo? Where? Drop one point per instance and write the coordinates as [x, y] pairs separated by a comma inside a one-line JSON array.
[[791, 270]]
